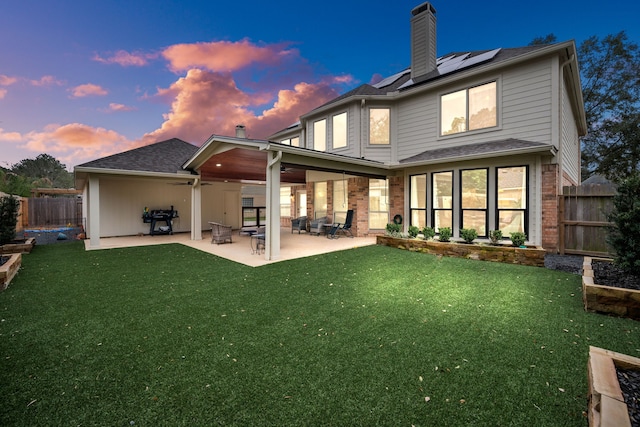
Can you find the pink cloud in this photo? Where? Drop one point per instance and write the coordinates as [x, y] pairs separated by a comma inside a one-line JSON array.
[[46, 81], [10, 136], [206, 103], [126, 59], [113, 107], [223, 56], [3, 93], [88, 89], [6, 80]]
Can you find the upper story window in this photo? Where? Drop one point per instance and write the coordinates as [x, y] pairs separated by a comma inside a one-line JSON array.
[[379, 126], [320, 135], [295, 141], [469, 109], [340, 130]]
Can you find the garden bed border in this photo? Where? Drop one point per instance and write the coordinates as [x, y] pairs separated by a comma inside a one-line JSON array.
[[532, 255], [9, 269], [13, 248], [620, 302]]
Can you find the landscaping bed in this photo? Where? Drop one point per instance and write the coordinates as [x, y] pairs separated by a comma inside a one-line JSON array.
[[607, 289], [9, 266], [532, 256], [23, 246]]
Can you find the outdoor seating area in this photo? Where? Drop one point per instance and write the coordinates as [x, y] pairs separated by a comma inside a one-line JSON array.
[[299, 224], [317, 226]]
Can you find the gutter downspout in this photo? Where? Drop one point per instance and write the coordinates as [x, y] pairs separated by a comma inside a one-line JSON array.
[[272, 230]]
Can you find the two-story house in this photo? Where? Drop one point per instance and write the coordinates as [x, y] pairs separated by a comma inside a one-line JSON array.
[[482, 140]]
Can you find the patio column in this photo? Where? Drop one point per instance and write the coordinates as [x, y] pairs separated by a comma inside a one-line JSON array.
[[94, 212], [196, 210], [272, 238]]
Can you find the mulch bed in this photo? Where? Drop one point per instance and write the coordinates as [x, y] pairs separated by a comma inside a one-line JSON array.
[[607, 274], [3, 259], [630, 386]]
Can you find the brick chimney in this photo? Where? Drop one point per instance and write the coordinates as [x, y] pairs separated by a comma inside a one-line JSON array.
[[241, 132], [423, 40]]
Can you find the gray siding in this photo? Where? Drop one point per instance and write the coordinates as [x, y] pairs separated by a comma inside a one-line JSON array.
[[570, 140]]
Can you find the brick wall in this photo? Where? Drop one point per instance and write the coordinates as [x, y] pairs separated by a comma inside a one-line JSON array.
[[550, 192]]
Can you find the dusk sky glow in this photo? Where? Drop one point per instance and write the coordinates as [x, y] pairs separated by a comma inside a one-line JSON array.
[[81, 80]]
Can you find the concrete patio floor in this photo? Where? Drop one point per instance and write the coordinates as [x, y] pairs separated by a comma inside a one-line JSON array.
[[291, 245]]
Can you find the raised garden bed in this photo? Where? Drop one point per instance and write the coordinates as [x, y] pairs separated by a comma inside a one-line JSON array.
[[9, 268], [533, 256], [619, 301], [609, 403], [22, 246]]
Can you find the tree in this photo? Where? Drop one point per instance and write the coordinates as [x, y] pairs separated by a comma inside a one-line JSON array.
[[8, 218], [10, 183], [624, 235], [610, 77], [44, 171]]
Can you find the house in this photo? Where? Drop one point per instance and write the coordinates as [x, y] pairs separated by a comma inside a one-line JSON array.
[[482, 139]]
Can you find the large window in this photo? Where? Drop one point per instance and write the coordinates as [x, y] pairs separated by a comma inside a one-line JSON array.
[[473, 200], [469, 109], [379, 126], [340, 201], [378, 204], [340, 130], [512, 211], [442, 190], [320, 199], [320, 135], [418, 202]]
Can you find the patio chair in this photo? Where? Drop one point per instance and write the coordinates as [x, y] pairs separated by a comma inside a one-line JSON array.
[[331, 234], [317, 226], [220, 233], [346, 227], [299, 224]]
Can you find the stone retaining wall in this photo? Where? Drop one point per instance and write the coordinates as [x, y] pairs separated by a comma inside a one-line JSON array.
[[500, 253], [608, 299]]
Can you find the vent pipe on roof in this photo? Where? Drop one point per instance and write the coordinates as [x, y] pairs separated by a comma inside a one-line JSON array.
[[241, 132], [423, 40]]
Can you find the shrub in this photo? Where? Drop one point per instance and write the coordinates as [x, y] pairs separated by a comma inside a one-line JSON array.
[[428, 233], [445, 234], [495, 236], [393, 228], [413, 231], [468, 234], [8, 218], [518, 238], [624, 234]]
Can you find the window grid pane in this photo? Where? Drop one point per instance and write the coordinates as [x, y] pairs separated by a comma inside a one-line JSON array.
[[512, 193], [442, 190], [378, 204], [379, 126], [340, 130], [473, 200], [482, 106], [320, 135]]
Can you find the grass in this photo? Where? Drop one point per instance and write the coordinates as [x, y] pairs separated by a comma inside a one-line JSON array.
[[168, 335]]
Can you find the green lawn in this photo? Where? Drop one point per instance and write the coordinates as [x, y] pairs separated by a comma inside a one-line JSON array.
[[168, 335]]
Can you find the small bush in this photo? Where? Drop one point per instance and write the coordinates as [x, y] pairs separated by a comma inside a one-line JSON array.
[[495, 236], [8, 218], [428, 233], [518, 238], [468, 234], [445, 234], [413, 231], [393, 228], [624, 235]]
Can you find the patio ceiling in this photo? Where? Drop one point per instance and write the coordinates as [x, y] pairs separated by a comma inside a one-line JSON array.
[[242, 165]]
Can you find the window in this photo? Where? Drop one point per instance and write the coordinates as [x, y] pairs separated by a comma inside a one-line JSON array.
[[469, 109], [378, 204], [340, 130], [418, 201], [340, 201], [442, 190], [320, 135], [247, 202], [512, 212], [473, 200], [379, 126], [320, 199], [285, 201], [292, 141]]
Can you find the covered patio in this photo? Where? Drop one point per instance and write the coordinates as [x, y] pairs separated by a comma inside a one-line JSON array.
[[292, 246]]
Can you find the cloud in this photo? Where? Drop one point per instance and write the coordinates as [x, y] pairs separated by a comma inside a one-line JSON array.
[[46, 81], [223, 56], [3, 93], [10, 136], [88, 89], [126, 59], [6, 80], [114, 107], [205, 103]]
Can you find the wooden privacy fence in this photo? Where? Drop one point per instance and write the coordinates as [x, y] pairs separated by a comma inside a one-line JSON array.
[[52, 212], [583, 219]]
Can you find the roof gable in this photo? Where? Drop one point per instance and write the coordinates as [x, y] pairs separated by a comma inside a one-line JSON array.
[[161, 157]]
